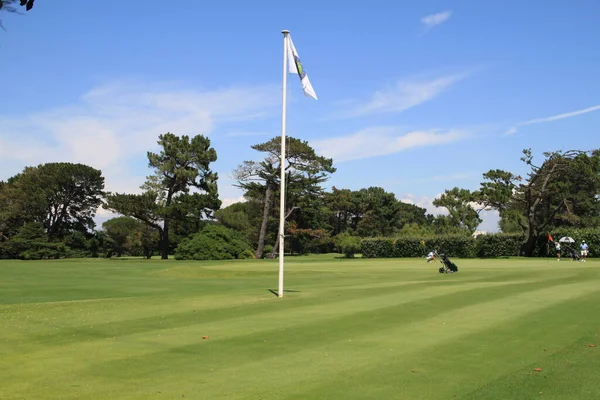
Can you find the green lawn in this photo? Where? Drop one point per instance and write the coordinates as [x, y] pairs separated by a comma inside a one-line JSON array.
[[346, 329]]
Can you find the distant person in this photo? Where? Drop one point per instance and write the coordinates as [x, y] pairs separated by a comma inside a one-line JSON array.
[[431, 256], [557, 247], [584, 250]]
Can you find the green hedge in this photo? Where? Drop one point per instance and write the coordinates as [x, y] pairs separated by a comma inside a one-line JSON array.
[[485, 246], [498, 245], [453, 245]]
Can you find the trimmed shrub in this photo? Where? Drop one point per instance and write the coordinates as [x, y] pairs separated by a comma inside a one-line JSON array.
[[455, 245], [377, 248], [485, 246]]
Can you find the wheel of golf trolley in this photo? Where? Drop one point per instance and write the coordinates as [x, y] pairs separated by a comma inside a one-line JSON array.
[[441, 270]]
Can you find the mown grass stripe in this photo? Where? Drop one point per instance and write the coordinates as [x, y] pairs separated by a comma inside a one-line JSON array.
[[291, 336], [438, 360]]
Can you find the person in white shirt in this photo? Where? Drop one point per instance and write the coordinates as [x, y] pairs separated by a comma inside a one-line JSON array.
[[431, 256], [584, 250], [557, 247]]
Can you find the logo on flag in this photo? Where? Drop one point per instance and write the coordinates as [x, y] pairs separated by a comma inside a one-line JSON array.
[[295, 67], [301, 72]]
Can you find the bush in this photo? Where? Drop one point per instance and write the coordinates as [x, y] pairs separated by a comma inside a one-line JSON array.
[[246, 254], [267, 249], [31, 243], [347, 244], [213, 242], [499, 245]]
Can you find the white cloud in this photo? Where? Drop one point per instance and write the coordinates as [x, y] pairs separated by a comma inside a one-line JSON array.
[[404, 95], [433, 20], [378, 141], [111, 125], [557, 117]]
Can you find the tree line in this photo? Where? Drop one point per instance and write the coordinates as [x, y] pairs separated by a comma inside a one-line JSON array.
[[48, 211]]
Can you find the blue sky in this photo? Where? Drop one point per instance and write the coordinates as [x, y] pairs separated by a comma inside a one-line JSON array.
[[415, 98]]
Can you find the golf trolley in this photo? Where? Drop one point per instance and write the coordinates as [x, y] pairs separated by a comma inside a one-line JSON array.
[[573, 254], [448, 267]]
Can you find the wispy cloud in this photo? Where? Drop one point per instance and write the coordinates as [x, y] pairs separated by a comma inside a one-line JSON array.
[[403, 95], [433, 20], [557, 117], [378, 141], [112, 126]]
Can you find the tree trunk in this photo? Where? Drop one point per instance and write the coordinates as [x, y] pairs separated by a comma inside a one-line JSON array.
[[276, 246], [265, 220], [164, 241], [530, 233], [528, 246]]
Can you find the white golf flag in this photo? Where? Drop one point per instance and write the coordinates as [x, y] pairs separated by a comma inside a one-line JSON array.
[[295, 67]]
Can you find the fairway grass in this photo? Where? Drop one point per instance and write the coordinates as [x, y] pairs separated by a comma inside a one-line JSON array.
[[345, 329]]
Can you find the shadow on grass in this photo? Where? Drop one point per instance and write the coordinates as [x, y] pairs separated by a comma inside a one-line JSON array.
[[284, 291]]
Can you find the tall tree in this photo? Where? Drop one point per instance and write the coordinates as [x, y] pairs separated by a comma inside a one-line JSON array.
[[339, 202], [378, 211], [461, 214], [305, 171], [63, 197], [182, 165]]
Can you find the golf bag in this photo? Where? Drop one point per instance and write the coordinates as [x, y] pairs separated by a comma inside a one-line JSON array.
[[448, 267], [573, 254]]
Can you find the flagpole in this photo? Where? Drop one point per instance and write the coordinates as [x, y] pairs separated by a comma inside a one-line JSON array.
[[282, 164]]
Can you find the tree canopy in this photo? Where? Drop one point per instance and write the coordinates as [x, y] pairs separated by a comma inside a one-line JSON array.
[[63, 197], [305, 171], [182, 187]]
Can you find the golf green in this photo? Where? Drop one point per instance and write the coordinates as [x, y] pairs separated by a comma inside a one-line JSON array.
[[345, 329]]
